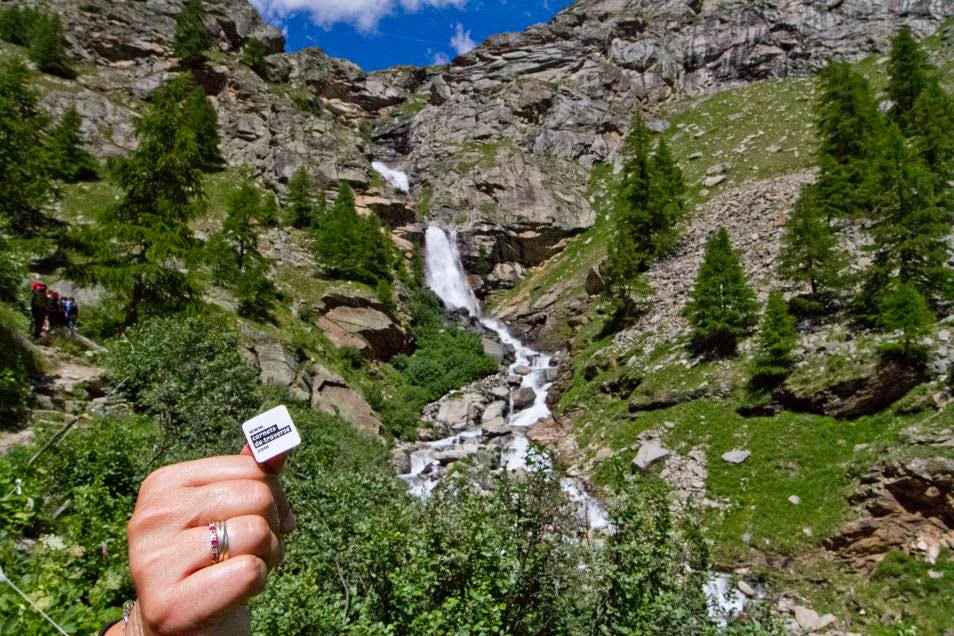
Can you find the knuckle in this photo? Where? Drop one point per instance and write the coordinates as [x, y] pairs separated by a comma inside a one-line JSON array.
[[260, 496], [252, 572], [259, 532]]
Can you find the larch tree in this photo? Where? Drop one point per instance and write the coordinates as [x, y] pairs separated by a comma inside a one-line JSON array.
[[352, 247], [25, 185], [932, 123], [722, 307], [776, 341], [191, 39], [904, 310], [141, 246], [69, 160], [200, 115], [910, 228], [810, 254], [300, 201], [908, 75]]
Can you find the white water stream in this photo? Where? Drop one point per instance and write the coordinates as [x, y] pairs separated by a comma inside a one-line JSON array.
[[446, 278]]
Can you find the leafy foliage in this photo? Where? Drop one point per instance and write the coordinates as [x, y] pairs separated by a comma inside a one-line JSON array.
[[70, 161], [25, 185], [777, 338], [722, 306], [186, 373], [350, 246], [253, 55], [139, 244], [192, 39], [446, 358]]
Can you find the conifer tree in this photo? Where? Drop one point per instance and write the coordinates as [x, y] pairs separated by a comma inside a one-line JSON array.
[[48, 46], [70, 161], [351, 247], [248, 212], [204, 121], [16, 23], [932, 123], [25, 186], [905, 310], [910, 227], [192, 39], [139, 246], [849, 125], [647, 205], [722, 306], [777, 338], [301, 205], [810, 254], [908, 73]]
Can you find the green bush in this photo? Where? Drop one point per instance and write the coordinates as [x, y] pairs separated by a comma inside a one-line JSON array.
[[187, 373], [253, 55]]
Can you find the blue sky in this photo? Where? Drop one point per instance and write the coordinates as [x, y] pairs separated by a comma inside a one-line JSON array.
[[375, 34]]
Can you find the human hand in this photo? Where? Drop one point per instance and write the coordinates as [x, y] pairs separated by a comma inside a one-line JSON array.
[[181, 591]]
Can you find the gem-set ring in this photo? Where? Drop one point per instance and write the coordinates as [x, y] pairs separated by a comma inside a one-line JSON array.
[[219, 541]]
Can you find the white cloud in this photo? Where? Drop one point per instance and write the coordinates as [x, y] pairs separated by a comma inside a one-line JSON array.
[[440, 58], [461, 40], [363, 14]]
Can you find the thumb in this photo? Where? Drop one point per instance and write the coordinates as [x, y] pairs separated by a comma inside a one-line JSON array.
[[273, 466]]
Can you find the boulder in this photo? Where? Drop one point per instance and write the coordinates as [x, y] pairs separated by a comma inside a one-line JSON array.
[[522, 369], [736, 456], [460, 412], [366, 329], [594, 281], [494, 349], [810, 621], [649, 453], [331, 394], [496, 427], [496, 410], [277, 363], [523, 397]]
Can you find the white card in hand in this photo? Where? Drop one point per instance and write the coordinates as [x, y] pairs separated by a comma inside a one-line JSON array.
[[271, 434]]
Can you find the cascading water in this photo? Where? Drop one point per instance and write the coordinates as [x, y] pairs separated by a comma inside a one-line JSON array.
[[447, 279]]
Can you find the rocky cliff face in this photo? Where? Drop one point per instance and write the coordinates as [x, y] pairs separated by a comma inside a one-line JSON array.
[[502, 141]]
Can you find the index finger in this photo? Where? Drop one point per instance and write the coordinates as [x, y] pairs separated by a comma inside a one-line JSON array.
[[211, 470]]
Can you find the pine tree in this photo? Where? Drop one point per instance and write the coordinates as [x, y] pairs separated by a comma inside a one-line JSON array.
[[301, 205], [910, 227], [848, 125], [904, 309], [777, 338], [810, 254], [667, 191], [192, 39], [248, 212], [16, 23], [139, 246], [908, 76], [253, 56], [932, 121], [351, 247], [647, 205], [48, 46], [200, 115], [722, 305], [25, 186], [70, 161]]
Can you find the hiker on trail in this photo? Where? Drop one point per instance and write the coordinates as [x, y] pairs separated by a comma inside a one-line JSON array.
[[38, 304], [54, 311], [71, 309]]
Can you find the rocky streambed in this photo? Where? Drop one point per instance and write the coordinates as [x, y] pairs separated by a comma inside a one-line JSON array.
[[485, 424]]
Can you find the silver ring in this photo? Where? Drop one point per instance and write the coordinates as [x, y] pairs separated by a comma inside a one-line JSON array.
[[219, 541]]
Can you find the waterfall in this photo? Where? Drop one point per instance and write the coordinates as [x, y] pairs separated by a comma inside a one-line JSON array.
[[446, 277]]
